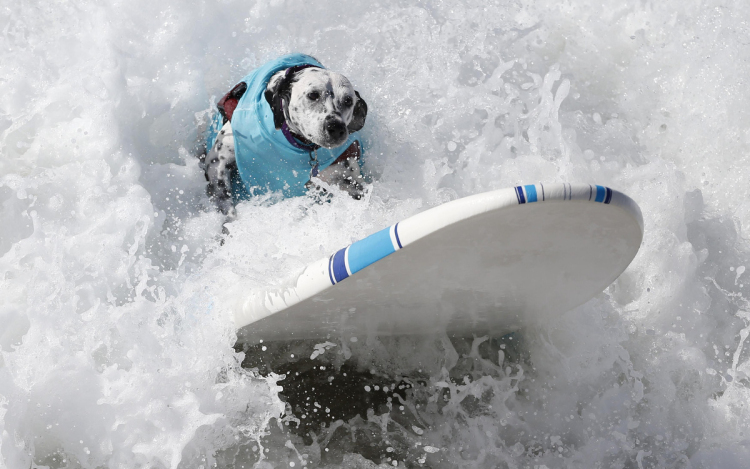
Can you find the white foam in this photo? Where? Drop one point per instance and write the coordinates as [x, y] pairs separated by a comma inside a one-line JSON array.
[[116, 349]]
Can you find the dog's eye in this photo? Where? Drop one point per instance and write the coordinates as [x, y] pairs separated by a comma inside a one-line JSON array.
[[313, 96], [348, 101]]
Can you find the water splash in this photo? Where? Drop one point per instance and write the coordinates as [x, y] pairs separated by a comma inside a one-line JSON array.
[[116, 348]]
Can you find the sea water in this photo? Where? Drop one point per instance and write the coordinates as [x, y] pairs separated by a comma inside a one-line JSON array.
[[116, 342]]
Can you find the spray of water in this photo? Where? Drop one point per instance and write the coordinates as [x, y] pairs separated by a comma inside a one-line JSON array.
[[116, 342]]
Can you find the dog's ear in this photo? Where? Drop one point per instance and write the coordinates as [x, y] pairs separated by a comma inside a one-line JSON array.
[[358, 115], [273, 96]]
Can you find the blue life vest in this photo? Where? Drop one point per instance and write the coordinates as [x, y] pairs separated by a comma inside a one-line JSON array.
[[266, 161]]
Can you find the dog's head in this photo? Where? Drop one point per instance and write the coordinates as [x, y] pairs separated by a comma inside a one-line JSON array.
[[318, 105]]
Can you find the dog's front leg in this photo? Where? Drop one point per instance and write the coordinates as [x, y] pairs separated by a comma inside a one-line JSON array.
[[220, 163], [346, 173]]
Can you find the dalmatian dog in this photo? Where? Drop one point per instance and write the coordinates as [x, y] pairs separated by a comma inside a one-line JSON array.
[[313, 107]]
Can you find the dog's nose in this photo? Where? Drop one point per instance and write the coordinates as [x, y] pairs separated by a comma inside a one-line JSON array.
[[335, 128]]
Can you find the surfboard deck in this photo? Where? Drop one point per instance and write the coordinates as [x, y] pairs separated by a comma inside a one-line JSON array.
[[483, 264]]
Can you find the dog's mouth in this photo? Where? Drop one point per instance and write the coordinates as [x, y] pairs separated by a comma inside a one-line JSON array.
[[334, 133], [329, 143]]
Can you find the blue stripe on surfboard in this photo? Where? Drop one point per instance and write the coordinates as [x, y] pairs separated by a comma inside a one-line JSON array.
[[530, 193], [330, 270], [601, 192], [339, 265], [395, 231], [519, 195], [369, 250], [608, 199]]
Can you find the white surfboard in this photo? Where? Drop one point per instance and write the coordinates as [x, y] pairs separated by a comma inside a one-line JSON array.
[[482, 264]]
